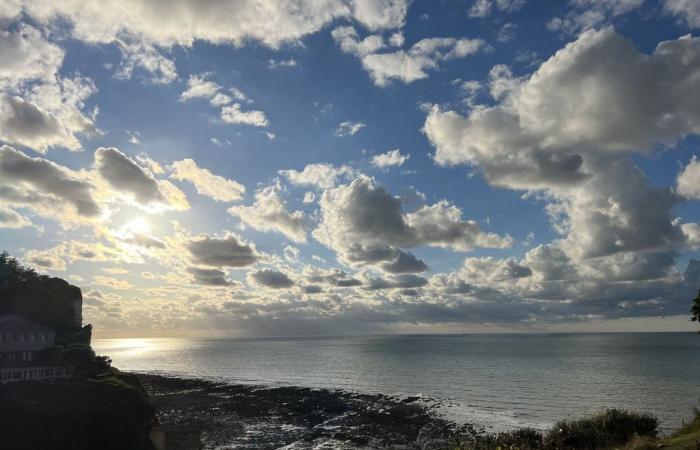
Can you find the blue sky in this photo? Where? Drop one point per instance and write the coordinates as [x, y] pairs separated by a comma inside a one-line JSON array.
[[532, 169]]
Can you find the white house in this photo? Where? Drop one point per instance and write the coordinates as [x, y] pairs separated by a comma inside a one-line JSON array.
[[20, 341]]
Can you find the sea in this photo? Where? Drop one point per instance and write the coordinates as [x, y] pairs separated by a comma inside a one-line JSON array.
[[498, 381]]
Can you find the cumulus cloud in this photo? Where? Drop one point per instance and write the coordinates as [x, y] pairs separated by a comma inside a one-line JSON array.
[[33, 181], [10, 218], [688, 182], [213, 186], [234, 115], [270, 278], [27, 56], [271, 22], [38, 108], [586, 14], [576, 149], [405, 262], [321, 176], [687, 11], [365, 225], [349, 128], [544, 136], [403, 65], [403, 281], [269, 213], [691, 231], [209, 277], [136, 183], [389, 159], [143, 55], [229, 251], [330, 277]]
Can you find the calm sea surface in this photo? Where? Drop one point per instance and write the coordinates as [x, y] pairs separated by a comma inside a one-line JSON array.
[[501, 381]]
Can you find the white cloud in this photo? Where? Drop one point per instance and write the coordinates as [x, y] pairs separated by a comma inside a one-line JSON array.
[[38, 108], [547, 134], [320, 175], [10, 218], [687, 11], [216, 187], [389, 159], [688, 182], [142, 55], [233, 114], [692, 234], [269, 213], [276, 64], [587, 14], [482, 8], [349, 128], [364, 224], [404, 65], [271, 22], [27, 56], [199, 86]]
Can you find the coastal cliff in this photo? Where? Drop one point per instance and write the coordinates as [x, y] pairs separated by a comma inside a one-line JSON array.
[[96, 408], [48, 301], [110, 412]]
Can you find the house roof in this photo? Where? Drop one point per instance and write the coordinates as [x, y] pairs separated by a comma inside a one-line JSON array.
[[11, 322]]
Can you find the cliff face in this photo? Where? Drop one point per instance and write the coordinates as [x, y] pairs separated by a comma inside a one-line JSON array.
[[51, 302]]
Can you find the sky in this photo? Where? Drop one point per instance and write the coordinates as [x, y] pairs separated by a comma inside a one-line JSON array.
[[323, 167]]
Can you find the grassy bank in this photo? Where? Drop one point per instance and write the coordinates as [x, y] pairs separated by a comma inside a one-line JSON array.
[[108, 412], [610, 430]]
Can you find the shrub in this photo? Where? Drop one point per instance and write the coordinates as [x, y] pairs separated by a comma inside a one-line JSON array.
[[610, 428]]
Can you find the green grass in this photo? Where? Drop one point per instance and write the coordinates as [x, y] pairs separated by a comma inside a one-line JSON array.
[[609, 430], [686, 438]]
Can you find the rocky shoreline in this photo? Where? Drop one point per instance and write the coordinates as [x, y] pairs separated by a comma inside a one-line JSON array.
[[198, 414]]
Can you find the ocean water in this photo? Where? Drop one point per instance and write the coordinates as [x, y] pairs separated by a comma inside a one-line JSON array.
[[498, 381]]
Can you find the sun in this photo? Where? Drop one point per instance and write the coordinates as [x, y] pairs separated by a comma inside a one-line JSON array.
[[137, 225]]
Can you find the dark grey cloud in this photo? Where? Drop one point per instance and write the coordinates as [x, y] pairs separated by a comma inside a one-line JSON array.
[[228, 251], [209, 277], [46, 178], [405, 262], [271, 278], [312, 289], [124, 174], [26, 124], [333, 277], [397, 281]]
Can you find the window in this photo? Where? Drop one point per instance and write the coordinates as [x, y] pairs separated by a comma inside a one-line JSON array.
[[3, 337]]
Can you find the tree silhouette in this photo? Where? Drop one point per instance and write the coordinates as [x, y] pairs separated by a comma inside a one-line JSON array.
[[695, 310]]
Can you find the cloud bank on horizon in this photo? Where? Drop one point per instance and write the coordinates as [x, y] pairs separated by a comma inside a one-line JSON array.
[[273, 167]]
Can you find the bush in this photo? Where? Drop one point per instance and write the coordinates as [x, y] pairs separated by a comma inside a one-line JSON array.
[[610, 428], [84, 360]]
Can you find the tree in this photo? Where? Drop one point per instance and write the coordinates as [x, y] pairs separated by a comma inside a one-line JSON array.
[[695, 310]]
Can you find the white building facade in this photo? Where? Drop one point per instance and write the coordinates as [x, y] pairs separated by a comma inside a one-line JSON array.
[[20, 343]]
